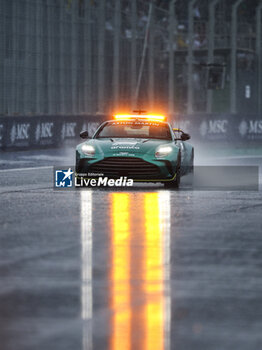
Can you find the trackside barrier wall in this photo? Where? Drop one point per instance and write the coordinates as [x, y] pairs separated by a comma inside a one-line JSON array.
[[44, 131], [53, 131], [221, 127]]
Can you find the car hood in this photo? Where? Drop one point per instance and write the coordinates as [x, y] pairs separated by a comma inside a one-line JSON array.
[[121, 146]]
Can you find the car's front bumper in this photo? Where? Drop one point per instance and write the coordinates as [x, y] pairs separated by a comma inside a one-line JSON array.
[[139, 168]]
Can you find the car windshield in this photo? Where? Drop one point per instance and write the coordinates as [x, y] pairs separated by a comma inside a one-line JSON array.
[[135, 129]]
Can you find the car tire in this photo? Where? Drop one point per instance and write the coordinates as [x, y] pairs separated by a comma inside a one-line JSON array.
[[176, 182], [77, 168], [192, 162]]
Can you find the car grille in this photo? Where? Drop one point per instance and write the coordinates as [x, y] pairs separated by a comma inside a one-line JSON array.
[[126, 166]]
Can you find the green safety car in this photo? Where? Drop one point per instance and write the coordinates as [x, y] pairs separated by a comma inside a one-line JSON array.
[[141, 147]]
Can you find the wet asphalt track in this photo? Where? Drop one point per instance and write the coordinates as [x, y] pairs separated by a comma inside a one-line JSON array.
[[142, 269]]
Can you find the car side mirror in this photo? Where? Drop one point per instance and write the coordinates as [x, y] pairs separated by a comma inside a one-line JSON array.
[[84, 134], [185, 136]]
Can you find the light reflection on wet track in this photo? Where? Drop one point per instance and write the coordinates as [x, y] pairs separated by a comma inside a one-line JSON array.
[[120, 271], [139, 274], [86, 269]]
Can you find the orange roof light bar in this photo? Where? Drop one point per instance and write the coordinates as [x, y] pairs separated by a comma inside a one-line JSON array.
[[139, 116]]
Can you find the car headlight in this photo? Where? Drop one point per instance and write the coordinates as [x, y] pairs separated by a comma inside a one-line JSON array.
[[88, 150], [163, 151]]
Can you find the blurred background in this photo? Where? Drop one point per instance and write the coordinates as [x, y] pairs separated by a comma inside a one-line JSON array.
[[71, 57]]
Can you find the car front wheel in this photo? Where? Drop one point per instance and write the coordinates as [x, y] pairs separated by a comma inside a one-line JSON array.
[[176, 182]]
